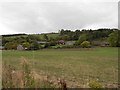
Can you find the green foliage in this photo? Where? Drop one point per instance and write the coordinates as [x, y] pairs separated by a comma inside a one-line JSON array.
[[65, 37], [68, 35], [76, 35], [11, 45], [32, 37], [47, 45], [4, 41], [114, 39], [34, 46], [85, 44], [62, 46], [45, 37], [82, 38], [62, 32], [29, 80], [41, 46], [52, 43], [26, 45], [95, 84]]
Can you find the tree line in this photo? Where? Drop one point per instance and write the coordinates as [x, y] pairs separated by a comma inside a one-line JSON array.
[[79, 36]]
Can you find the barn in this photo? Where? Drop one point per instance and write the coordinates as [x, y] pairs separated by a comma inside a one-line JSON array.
[[61, 42]]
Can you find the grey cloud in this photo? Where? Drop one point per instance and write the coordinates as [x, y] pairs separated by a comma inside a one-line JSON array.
[[52, 16]]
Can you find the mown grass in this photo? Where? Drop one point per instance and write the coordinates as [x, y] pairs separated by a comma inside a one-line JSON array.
[[77, 66]]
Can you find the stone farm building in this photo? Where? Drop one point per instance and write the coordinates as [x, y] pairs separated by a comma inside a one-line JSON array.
[[20, 48]]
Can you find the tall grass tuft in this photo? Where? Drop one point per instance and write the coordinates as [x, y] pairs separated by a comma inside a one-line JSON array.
[[7, 79], [21, 78], [27, 77]]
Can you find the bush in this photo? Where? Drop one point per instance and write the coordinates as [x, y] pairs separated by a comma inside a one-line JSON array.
[[41, 46], [77, 43], [82, 38], [52, 43], [46, 45], [11, 45], [85, 44], [34, 46], [114, 39], [26, 45], [95, 84], [62, 46]]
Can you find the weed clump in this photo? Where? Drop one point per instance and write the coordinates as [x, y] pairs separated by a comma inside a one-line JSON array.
[[95, 84], [21, 78]]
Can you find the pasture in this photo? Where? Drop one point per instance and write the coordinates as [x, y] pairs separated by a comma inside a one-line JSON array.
[[78, 67]]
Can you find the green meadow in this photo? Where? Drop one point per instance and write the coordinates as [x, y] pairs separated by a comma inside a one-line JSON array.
[[78, 67]]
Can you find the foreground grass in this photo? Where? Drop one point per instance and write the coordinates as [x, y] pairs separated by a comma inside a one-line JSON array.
[[77, 66]]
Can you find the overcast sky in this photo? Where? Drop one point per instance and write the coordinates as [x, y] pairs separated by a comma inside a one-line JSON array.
[[38, 16]]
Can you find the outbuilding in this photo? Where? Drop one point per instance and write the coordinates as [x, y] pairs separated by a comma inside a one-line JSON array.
[[61, 42], [20, 48]]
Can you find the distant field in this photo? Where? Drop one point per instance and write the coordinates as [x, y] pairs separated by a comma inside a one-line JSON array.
[[77, 66]]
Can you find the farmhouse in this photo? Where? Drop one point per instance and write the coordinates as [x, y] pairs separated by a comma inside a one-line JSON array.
[[61, 42], [20, 48]]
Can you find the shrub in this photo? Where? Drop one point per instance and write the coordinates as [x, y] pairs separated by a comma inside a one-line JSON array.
[[46, 45], [95, 84], [41, 46], [52, 43], [11, 45], [85, 44], [114, 39], [82, 38], [26, 45], [54, 47], [77, 43], [34, 46]]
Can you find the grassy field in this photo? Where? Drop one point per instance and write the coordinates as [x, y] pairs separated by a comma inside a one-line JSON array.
[[78, 67]]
